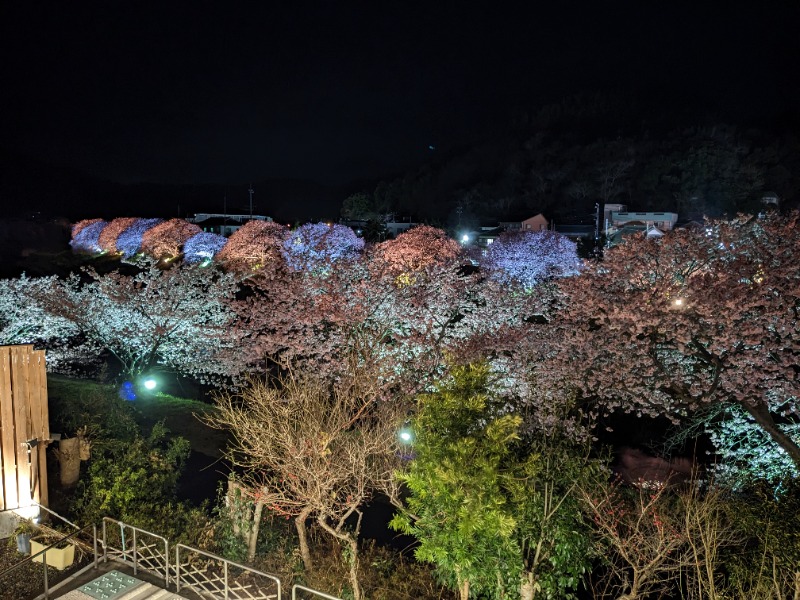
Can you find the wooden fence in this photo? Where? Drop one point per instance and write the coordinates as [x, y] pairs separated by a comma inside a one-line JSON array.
[[24, 427]]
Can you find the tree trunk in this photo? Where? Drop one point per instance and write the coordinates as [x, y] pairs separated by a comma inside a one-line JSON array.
[[353, 543], [69, 460], [463, 590], [302, 536], [526, 589], [351, 539], [252, 535], [764, 419]]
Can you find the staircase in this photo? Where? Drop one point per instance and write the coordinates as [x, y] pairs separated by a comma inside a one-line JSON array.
[[120, 586]]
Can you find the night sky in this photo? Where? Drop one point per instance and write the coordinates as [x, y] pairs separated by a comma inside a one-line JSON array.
[[197, 92]]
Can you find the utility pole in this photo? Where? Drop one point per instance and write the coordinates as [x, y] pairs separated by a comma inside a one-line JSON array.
[[597, 229], [250, 191]]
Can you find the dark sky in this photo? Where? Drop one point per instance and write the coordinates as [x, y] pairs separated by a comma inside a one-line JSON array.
[[226, 91]]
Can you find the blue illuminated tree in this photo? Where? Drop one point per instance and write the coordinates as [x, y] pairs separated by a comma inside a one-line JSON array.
[[86, 236], [529, 257], [129, 241], [315, 246], [202, 247]]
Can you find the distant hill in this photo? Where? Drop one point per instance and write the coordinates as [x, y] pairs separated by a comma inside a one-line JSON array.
[[29, 187]]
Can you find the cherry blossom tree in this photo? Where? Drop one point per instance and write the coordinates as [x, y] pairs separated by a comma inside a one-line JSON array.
[[202, 247], [24, 320], [177, 318], [415, 250], [81, 225], [108, 237], [86, 236], [698, 317], [314, 246], [129, 241], [529, 257], [405, 328], [165, 240], [253, 246]]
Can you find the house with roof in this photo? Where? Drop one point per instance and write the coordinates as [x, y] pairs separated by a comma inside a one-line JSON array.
[[223, 224]]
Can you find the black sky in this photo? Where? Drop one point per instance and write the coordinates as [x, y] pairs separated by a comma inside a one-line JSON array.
[[193, 92]]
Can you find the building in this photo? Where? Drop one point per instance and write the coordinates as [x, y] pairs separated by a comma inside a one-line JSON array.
[[536, 223], [663, 221], [223, 224]]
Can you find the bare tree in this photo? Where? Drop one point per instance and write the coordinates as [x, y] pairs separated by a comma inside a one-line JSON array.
[[657, 537], [314, 450]]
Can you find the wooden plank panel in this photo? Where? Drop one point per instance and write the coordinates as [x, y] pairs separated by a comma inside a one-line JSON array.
[[8, 451], [20, 359], [41, 419]]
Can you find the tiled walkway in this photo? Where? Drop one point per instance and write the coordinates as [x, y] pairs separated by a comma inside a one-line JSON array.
[[117, 581]]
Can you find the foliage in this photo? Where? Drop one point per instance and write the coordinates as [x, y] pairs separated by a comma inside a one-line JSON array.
[[767, 563], [493, 519], [315, 246], [528, 257], [202, 247], [358, 207], [76, 404], [129, 478]]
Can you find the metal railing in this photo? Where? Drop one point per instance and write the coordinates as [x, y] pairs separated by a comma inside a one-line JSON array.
[[43, 553], [144, 552], [201, 571], [299, 588], [211, 575]]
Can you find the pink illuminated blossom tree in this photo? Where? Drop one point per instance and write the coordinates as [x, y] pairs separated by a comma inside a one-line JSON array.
[[253, 246], [406, 328], [700, 317], [165, 240], [415, 250]]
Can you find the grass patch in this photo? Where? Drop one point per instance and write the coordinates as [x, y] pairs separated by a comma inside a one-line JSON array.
[[77, 402]]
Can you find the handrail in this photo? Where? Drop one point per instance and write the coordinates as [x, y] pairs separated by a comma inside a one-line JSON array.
[[55, 514], [225, 562], [43, 554], [134, 552], [297, 586]]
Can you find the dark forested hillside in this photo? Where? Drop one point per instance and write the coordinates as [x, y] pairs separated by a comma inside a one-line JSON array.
[[562, 159]]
